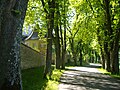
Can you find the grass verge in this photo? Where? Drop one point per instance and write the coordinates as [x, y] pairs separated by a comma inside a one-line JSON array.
[[108, 73], [32, 79], [53, 83]]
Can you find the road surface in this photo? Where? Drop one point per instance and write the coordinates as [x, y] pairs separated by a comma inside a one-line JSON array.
[[87, 78]]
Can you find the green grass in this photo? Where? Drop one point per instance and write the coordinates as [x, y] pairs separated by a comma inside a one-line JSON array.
[[108, 73], [54, 81], [32, 79]]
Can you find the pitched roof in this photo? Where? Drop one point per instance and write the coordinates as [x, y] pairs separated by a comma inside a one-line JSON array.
[[34, 36]]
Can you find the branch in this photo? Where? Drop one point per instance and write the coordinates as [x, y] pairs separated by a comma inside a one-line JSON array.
[[43, 4], [77, 31], [69, 30]]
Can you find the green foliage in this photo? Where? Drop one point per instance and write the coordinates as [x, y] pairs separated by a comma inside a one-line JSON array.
[[53, 82], [56, 74], [84, 26], [35, 18], [85, 22], [32, 79], [51, 85]]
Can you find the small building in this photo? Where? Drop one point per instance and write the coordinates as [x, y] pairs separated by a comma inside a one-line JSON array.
[[35, 42], [33, 51]]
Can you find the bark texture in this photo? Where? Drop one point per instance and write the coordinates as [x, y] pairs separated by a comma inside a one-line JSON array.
[[12, 13], [50, 27], [57, 37]]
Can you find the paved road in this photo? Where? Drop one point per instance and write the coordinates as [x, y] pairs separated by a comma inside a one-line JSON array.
[[87, 78]]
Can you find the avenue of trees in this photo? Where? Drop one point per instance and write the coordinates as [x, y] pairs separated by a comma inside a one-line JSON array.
[[86, 30]]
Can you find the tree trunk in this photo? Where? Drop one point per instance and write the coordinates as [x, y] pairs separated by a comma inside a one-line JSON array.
[[57, 46], [96, 57], [107, 58], [73, 51], [114, 54], [64, 44], [101, 48], [80, 58], [50, 27], [113, 40], [80, 52], [103, 59], [93, 56], [71, 40], [11, 21], [62, 48], [57, 40]]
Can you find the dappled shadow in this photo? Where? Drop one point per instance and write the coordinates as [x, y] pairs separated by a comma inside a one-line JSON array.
[[78, 79]]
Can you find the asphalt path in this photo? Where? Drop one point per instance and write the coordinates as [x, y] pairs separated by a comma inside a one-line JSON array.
[[87, 78]]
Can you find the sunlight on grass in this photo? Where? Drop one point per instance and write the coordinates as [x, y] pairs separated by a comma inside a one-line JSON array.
[[56, 74], [53, 83], [103, 71], [32, 79], [108, 73]]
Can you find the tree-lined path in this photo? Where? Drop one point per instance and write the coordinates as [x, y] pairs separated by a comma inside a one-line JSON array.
[[87, 78], [75, 32]]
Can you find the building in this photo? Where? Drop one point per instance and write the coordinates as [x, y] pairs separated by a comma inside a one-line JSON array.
[[32, 40]]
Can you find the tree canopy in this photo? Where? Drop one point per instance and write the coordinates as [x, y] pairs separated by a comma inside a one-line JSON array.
[[87, 29]]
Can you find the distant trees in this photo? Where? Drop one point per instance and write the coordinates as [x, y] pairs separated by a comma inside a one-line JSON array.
[[101, 20], [12, 13], [89, 29]]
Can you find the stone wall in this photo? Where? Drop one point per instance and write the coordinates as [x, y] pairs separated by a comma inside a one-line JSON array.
[[31, 58]]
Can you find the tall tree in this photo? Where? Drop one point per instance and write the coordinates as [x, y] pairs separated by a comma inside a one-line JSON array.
[[65, 9], [12, 13], [57, 37], [50, 26], [109, 38]]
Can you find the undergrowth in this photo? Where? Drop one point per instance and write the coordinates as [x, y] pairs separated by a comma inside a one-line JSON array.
[[32, 79], [109, 73]]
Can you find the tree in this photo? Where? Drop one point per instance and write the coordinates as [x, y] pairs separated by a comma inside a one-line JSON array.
[[50, 27], [35, 18], [57, 37], [113, 31], [83, 30], [12, 15], [65, 10], [107, 31], [80, 52]]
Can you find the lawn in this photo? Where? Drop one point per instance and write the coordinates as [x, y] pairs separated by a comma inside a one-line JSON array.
[[108, 73], [32, 79]]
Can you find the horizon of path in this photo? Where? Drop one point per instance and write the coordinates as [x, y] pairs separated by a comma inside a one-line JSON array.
[[87, 78]]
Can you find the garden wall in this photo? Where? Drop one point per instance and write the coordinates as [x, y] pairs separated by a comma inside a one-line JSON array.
[[31, 58]]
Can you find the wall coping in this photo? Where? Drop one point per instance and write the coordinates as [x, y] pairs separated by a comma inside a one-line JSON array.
[[29, 47]]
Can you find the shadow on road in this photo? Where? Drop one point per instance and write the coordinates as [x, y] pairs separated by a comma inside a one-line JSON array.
[[87, 78]]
